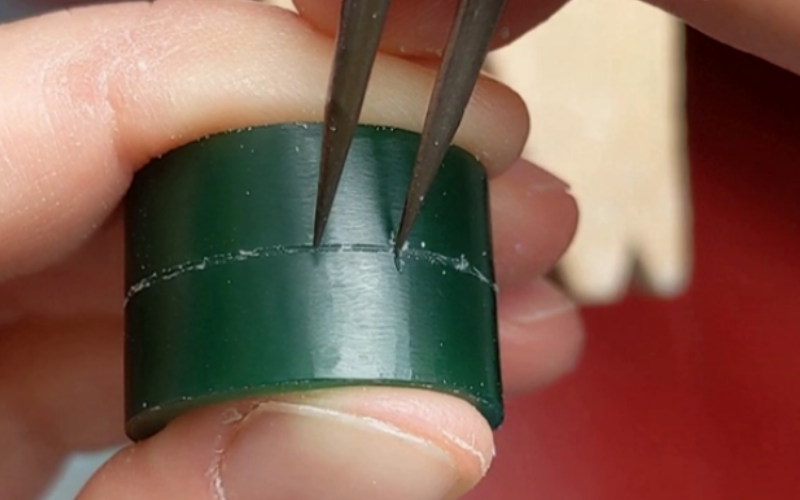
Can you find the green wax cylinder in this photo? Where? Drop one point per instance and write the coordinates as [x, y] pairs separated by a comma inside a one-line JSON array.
[[227, 298]]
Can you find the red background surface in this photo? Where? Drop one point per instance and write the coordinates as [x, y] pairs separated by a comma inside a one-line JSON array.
[[696, 398]]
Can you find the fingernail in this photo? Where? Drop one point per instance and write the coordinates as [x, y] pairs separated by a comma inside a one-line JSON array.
[[286, 450], [536, 178], [539, 302]]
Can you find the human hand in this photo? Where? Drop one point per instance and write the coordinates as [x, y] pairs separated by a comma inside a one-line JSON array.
[[89, 97], [766, 28], [629, 168]]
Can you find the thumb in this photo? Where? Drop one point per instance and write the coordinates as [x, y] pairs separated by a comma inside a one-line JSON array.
[[341, 444]]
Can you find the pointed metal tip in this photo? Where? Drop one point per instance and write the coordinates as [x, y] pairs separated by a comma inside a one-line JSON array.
[[464, 56], [320, 222], [317, 237], [401, 242], [411, 209], [399, 246], [398, 262], [361, 25]]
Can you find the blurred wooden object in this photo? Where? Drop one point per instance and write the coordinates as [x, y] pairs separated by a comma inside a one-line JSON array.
[[604, 82]]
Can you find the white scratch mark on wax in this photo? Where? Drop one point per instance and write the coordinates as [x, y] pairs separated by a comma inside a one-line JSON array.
[[459, 264]]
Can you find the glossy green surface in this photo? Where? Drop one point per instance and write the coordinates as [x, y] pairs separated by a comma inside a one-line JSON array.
[[226, 298]]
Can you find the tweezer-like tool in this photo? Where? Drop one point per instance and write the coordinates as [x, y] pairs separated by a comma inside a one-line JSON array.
[[360, 29]]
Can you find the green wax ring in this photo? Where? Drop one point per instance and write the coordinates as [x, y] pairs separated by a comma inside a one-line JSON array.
[[227, 298]]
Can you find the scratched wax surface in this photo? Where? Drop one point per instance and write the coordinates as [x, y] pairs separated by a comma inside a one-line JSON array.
[[228, 298]]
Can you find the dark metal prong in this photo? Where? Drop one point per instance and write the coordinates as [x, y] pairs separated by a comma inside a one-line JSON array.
[[360, 27], [465, 53]]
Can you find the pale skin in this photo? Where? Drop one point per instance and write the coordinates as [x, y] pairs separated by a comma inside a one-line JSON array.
[[91, 95]]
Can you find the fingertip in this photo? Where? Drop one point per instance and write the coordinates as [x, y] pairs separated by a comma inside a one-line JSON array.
[[355, 443], [534, 219], [541, 335]]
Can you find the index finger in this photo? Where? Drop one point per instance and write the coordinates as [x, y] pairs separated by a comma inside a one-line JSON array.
[[419, 28], [98, 92], [766, 28]]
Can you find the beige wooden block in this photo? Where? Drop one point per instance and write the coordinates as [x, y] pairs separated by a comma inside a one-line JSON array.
[[603, 80]]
